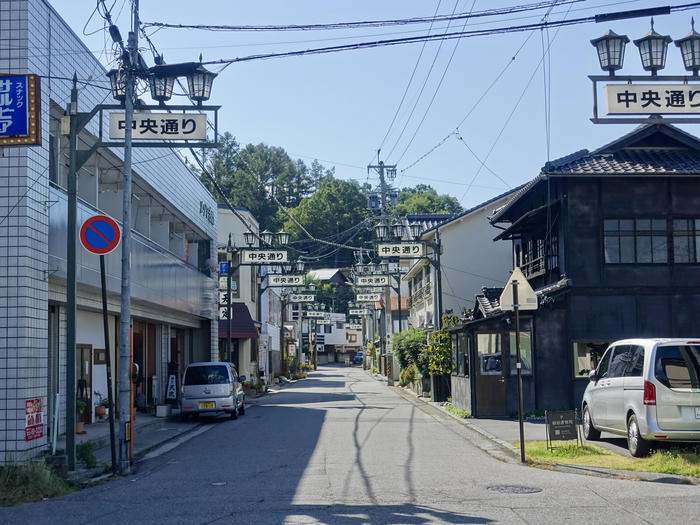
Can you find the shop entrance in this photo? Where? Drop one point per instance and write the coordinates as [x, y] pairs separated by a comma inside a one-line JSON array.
[[83, 383], [144, 340], [490, 381]]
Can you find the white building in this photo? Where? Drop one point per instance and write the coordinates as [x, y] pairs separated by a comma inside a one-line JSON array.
[[172, 253]]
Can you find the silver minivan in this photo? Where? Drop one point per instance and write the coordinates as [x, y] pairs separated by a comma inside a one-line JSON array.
[[211, 387], [646, 389]]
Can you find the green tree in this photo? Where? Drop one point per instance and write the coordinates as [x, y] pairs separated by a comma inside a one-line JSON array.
[[334, 213], [424, 199], [407, 347], [250, 176], [437, 354]]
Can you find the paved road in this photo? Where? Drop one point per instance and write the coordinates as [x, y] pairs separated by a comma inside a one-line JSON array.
[[342, 448]]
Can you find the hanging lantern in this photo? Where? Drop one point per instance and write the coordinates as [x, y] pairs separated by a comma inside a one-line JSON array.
[[690, 49], [652, 50], [611, 51]]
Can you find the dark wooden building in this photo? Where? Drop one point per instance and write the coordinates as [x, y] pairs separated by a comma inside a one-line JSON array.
[[610, 240]]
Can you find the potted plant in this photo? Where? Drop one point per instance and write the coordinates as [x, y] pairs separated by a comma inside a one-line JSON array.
[[102, 407], [80, 407]]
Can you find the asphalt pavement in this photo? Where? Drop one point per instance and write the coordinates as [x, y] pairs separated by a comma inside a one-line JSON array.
[[343, 448]]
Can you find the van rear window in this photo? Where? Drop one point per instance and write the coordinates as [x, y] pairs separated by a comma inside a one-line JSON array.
[[678, 367], [206, 375]]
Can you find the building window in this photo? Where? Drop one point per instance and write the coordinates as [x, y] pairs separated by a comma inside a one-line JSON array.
[[453, 345], [586, 357], [463, 354], [640, 241], [525, 353], [489, 347], [327, 329], [686, 238]]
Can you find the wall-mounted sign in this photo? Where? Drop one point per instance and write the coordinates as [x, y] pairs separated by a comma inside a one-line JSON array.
[[302, 298], [368, 297], [160, 126], [33, 419], [263, 256], [207, 212], [357, 311], [20, 110], [401, 249], [372, 280], [285, 280], [652, 99]]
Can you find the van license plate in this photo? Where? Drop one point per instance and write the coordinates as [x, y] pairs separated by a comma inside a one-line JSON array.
[[210, 404]]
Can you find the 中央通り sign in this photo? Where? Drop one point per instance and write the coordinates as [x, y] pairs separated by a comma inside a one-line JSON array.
[[401, 249], [285, 280], [160, 126], [263, 256], [20, 110], [652, 99]]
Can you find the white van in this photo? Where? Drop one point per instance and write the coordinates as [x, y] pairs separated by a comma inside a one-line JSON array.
[[210, 387], [646, 389]]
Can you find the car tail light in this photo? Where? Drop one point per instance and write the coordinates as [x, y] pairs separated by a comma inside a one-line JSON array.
[[649, 393]]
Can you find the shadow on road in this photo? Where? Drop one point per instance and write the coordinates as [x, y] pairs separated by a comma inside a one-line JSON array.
[[388, 514]]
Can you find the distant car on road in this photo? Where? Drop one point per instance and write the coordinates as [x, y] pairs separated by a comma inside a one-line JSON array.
[[211, 387], [357, 360], [646, 389]]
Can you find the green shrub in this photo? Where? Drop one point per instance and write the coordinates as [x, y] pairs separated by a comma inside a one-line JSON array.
[[84, 452], [459, 412], [33, 481]]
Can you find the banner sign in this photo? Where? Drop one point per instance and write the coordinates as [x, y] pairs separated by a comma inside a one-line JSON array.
[[223, 297], [33, 419], [652, 99], [223, 312], [357, 311], [263, 256], [160, 126], [368, 297], [20, 110], [315, 314], [372, 280], [302, 298], [285, 280], [401, 249]]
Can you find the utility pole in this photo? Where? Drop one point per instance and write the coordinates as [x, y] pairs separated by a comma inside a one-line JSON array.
[[125, 423]]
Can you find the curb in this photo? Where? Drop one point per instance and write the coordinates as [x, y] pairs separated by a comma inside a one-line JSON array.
[[601, 472]]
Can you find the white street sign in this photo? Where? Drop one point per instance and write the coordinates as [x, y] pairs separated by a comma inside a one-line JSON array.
[[652, 99], [222, 283], [368, 297], [263, 256], [160, 126], [401, 249], [223, 312], [357, 311], [323, 322], [285, 280], [223, 297], [372, 280], [301, 298], [314, 314], [355, 326], [527, 298]]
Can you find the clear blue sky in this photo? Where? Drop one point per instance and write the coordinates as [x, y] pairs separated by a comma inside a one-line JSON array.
[[338, 107]]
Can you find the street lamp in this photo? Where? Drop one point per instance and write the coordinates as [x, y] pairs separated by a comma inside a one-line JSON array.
[[397, 229], [249, 237], [267, 237], [415, 229], [381, 230], [117, 81], [652, 50], [690, 49], [611, 51], [199, 82], [283, 237], [383, 267], [300, 265]]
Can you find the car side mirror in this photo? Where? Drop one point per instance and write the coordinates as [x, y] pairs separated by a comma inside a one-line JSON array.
[[241, 378], [592, 375]]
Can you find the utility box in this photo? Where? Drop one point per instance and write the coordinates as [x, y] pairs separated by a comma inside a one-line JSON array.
[[163, 410]]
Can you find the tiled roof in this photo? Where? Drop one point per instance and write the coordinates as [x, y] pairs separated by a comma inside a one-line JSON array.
[[488, 301], [632, 162]]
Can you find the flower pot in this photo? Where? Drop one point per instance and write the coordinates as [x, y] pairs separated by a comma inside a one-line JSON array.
[[79, 427], [100, 411]]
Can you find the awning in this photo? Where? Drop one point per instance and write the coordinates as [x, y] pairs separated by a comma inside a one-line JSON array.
[[242, 326], [533, 222]]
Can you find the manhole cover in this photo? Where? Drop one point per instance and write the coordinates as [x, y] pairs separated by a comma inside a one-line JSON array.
[[514, 489]]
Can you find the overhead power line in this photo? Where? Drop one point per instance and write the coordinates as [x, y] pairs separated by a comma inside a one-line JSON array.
[[445, 36], [367, 23]]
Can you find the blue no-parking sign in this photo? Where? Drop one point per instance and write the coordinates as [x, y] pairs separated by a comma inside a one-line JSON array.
[[100, 234]]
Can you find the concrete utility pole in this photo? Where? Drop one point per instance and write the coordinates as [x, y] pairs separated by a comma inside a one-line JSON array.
[[125, 310]]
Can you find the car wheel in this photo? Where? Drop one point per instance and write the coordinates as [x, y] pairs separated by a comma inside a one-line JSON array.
[[636, 444], [242, 409], [184, 416], [590, 433]]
